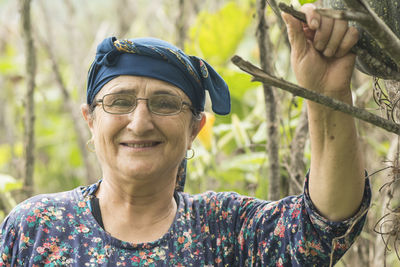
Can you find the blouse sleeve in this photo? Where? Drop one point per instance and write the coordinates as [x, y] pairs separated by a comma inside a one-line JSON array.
[[290, 232], [7, 243]]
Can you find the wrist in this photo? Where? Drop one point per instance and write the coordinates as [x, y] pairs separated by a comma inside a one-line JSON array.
[[342, 95]]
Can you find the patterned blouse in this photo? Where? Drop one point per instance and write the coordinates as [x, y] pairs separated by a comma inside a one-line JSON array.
[[210, 229]]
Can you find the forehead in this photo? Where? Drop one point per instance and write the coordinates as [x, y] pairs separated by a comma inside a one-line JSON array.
[[141, 86]]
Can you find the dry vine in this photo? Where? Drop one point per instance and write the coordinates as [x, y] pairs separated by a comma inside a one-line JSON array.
[[386, 103], [389, 225]]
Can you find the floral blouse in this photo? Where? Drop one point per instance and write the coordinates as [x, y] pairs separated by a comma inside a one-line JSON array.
[[210, 229]]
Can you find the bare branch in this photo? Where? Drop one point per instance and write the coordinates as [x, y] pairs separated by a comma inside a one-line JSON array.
[[261, 76], [29, 129], [343, 14]]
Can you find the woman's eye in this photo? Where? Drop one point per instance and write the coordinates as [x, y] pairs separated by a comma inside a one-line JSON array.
[[121, 102], [165, 103]]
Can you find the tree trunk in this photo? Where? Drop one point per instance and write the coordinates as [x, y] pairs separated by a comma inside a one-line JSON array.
[[72, 108], [29, 130], [297, 165], [271, 105]]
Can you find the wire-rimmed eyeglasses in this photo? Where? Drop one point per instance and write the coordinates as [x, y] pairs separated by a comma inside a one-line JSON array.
[[163, 104]]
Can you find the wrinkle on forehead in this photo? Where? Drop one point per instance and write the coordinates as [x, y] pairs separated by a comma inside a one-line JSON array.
[[140, 86]]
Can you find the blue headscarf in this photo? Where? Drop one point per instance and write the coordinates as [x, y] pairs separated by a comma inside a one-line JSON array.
[[151, 57]]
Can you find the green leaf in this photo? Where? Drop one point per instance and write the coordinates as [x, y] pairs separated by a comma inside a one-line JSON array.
[[302, 2], [5, 154], [239, 82], [239, 132], [216, 36], [7, 60], [247, 162], [9, 183]]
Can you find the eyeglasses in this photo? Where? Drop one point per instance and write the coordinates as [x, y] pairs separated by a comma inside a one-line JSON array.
[[164, 104]]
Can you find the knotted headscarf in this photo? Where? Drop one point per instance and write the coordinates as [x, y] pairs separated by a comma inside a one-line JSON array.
[[158, 59]]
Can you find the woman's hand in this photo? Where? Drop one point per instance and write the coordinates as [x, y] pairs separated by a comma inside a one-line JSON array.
[[320, 51]]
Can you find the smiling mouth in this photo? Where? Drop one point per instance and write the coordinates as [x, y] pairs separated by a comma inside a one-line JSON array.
[[141, 145]]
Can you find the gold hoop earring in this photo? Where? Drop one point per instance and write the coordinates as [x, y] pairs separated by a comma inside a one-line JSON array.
[[191, 155], [90, 145]]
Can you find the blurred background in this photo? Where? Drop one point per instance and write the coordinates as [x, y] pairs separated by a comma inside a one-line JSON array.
[[232, 153]]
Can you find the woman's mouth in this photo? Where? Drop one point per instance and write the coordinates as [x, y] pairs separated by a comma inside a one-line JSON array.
[[140, 144]]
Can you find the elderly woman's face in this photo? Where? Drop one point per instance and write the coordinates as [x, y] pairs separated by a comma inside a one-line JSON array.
[[141, 143]]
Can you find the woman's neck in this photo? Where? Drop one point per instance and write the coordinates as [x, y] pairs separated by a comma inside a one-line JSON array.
[[137, 212]]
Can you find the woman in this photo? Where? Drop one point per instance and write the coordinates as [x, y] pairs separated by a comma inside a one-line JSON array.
[[144, 108]]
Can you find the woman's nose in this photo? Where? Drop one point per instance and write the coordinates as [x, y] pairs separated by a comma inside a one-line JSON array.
[[141, 119]]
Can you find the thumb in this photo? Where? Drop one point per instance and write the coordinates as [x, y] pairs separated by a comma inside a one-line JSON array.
[[297, 37]]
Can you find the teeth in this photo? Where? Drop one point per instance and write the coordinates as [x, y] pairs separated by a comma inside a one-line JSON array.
[[140, 145]]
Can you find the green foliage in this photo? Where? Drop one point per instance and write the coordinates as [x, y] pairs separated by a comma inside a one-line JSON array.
[[7, 60], [7, 185], [215, 36], [302, 2]]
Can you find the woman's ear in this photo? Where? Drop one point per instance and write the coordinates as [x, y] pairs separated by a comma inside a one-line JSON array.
[[87, 115], [198, 125]]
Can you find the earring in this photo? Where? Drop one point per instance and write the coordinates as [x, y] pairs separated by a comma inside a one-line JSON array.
[[90, 145], [191, 153]]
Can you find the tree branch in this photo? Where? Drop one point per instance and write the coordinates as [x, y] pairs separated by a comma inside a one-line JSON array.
[[261, 76], [370, 22], [72, 108], [377, 28], [297, 166], [264, 45], [29, 129], [281, 23]]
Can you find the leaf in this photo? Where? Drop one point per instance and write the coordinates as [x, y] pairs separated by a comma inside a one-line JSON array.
[[206, 134], [302, 2], [5, 154], [7, 60], [239, 132], [239, 82], [216, 36], [246, 162], [9, 183]]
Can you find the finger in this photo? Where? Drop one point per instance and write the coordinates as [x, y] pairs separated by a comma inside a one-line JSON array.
[[349, 40], [312, 17], [335, 39], [296, 35], [323, 33]]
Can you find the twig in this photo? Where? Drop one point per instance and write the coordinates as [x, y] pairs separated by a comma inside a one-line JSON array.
[[261, 76], [29, 129], [290, 10]]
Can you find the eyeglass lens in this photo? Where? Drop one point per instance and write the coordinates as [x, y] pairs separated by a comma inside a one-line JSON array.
[[158, 104]]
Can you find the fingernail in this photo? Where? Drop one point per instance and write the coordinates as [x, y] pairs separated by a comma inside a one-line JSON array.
[[328, 52], [314, 23]]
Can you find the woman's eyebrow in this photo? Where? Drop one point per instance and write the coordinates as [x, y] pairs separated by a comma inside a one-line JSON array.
[[164, 92], [124, 91]]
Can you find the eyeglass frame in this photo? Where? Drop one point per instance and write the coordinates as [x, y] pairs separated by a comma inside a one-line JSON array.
[[183, 103]]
